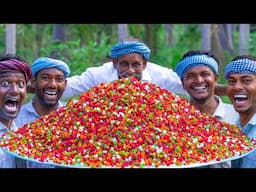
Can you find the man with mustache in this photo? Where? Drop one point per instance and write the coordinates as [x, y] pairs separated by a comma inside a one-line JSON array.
[[14, 75]]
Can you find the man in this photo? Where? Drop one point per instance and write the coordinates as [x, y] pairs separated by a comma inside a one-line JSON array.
[[14, 75], [198, 71], [49, 81], [129, 58], [241, 89]]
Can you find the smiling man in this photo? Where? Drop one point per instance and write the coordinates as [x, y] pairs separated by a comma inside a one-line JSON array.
[[129, 58], [49, 82], [241, 89], [198, 71], [14, 75]]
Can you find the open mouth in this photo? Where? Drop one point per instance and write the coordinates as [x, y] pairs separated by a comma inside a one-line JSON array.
[[11, 105], [240, 99], [199, 89], [50, 94]]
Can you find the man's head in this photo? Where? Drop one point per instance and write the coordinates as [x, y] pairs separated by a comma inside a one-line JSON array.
[[49, 80], [241, 83], [14, 75], [198, 71], [130, 58]]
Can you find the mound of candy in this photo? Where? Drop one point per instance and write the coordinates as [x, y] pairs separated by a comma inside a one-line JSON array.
[[126, 124]]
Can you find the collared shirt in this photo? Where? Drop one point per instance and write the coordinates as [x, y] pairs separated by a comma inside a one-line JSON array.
[[159, 75], [224, 112], [248, 161], [26, 115], [7, 160]]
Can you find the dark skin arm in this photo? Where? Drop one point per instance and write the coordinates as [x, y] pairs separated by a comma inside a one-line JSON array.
[[220, 90]]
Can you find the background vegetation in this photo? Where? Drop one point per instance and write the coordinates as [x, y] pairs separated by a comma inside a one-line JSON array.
[[86, 45]]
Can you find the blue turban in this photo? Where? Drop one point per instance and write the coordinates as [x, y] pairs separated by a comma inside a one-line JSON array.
[[240, 66], [46, 62], [194, 61], [127, 47]]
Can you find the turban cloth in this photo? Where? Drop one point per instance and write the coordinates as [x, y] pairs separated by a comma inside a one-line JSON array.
[[127, 47], [240, 66], [14, 65], [194, 61], [46, 62]]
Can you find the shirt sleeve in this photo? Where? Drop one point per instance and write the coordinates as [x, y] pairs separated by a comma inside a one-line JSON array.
[[78, 84]]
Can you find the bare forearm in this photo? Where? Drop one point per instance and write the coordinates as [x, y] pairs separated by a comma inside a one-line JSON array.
[[221, 90]]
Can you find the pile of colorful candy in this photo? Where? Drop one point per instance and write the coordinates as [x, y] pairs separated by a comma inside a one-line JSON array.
[[127, 123]]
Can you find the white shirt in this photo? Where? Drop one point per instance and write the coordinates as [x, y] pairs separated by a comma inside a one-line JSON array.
[[225, 112], [159, 75]]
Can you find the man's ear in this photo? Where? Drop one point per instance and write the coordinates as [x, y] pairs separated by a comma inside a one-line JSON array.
[[145, 63], [33, 82], [114, 61], [216, 76]]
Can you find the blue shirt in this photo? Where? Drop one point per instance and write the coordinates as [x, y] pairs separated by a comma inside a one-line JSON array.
[[27, 115], [159, 75], [7, 160], [248, 161]]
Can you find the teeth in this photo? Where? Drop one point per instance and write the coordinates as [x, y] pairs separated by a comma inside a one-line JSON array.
[[240, 96], [13, 99], [51, 92], [201, 87]]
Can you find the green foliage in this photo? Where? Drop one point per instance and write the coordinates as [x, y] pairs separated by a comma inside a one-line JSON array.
[[225, 99], [252, 46], [30, 38], [87, 45], [79, 57], [169, 56], [2, 37]]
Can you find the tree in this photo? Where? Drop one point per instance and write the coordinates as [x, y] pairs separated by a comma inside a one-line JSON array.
[[59, 36], [206, 37], [244, 32], [225, 38], [10, 38], [122, 31], [169, 34], [217, 49]]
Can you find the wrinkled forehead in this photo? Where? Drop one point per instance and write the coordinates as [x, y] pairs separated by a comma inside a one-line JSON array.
[[9, 74]]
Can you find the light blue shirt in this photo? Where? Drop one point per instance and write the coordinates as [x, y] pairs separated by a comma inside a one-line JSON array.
[[27, 115], [159, 75], [248, 161], [224, 112], [7, 160]]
